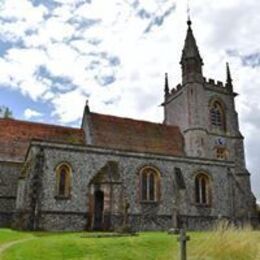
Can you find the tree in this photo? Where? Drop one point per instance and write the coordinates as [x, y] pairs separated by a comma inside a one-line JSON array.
[[5, 112]]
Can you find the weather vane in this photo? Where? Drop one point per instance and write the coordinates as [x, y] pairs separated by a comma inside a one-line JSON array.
[[188, 9]]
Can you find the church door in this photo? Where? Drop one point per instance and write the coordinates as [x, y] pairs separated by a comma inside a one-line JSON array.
[[98, 210]]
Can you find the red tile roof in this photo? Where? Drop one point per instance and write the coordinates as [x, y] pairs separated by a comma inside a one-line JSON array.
[[15, 136], [134, 135], [106, 131]]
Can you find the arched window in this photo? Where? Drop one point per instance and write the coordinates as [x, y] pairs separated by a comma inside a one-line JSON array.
[[149, 184], [63, 180], [202, 190], [217, 115]]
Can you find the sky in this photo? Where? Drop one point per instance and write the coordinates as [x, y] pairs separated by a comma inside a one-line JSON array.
[[56, 54]]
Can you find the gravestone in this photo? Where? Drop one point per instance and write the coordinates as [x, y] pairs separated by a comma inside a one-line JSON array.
[[183, 238]]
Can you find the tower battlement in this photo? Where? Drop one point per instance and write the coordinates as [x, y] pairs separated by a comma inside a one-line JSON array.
[[214, 83], [209, 83]]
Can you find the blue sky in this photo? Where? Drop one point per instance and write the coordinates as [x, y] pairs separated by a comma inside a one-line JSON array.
[[55, 54]]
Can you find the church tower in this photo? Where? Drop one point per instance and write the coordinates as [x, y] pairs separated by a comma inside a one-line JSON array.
[[204, 109]]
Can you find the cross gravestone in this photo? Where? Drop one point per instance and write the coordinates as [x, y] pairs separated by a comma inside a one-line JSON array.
[[183, 238]]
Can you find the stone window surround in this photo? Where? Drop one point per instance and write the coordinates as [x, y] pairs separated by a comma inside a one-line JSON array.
[[221, 153], [207, 192], [218, 123], [67, 192], [149, 170]]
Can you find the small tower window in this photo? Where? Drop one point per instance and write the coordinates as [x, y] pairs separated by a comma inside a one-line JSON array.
[[63, 180], [217, 116], [202, 190], [149, 179], [221, 153]]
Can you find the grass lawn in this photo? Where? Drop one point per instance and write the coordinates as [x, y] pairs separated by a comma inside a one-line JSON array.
[[7, 235], [218, 245]]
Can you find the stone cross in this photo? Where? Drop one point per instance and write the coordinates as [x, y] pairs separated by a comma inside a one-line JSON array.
[[183, 238]]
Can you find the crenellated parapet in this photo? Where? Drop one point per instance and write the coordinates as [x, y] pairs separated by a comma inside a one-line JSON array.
[[208, 83], [172, 93], [217, 85], [214, 83], [176, 89]]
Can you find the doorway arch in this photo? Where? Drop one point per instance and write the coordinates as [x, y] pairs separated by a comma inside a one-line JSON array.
[[98, 210]]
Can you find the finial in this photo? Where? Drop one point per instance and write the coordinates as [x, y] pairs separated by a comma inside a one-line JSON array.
[[166, 86], [87, 106], [229, 79]]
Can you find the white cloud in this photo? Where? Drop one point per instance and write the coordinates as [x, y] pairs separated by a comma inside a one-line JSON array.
[[19, 16], [19, 68], [69, 106], [30, 113]]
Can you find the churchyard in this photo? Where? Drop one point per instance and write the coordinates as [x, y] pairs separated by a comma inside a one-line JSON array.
[[222, 243]]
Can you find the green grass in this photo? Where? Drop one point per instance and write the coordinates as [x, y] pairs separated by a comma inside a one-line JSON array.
[[7, 235], [223, 244]]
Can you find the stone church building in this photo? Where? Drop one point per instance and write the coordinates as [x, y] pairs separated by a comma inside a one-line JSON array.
[[187, 172]]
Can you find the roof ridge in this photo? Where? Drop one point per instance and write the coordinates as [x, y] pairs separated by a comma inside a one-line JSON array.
[[132, 119], [38, 123]]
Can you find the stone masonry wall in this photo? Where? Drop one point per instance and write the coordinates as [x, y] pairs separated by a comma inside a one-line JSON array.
[[189, 108], [86, 162], [9, 174]]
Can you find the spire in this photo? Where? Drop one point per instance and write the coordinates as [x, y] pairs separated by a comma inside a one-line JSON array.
[[190, 49], [166, 86], [229, 83], [191, 60]]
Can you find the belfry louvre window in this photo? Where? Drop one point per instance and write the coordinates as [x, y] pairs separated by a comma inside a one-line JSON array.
[[150, 184], [202, 190], [217, 116], [63, 180]]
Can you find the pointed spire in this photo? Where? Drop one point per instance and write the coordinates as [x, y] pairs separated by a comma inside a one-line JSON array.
[[166, 86], [229, 83], [191, 60], [229, 79], [190, 49]]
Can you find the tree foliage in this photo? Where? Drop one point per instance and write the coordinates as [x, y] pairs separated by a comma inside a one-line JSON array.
[[5, 112]]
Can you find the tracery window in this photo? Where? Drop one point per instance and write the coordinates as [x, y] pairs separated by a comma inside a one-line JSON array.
[[202, 190], [150, 184], [63, 180], [217, 115]]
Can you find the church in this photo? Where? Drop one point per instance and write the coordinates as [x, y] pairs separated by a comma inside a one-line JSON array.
[[189, 171]]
